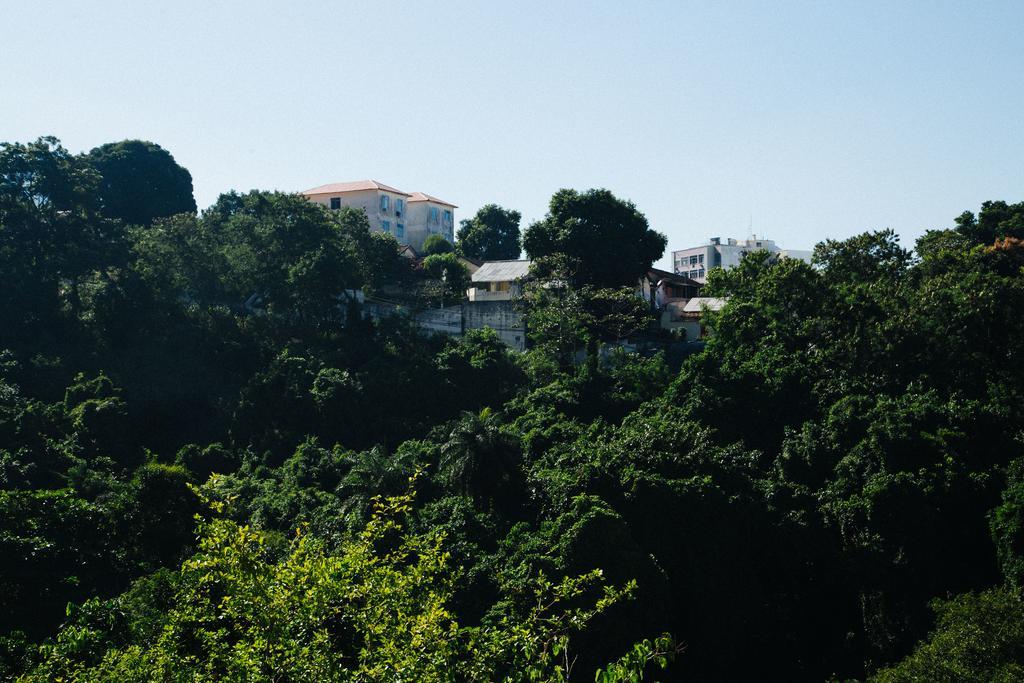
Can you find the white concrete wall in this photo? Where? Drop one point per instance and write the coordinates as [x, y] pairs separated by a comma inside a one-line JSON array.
[[501, 316], [802, 254], [681, 262]]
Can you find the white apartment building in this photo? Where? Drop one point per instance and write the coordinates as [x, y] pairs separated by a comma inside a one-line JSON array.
[[410, 217], [717, 253]]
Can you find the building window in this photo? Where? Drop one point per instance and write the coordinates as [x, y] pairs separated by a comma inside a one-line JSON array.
[[700, 258], [693, 260], [433, 213], [693, 273], [447, 217], [335, 202], [700, 273], [384, 202], [399, 227], [399, 207], [385, 226]]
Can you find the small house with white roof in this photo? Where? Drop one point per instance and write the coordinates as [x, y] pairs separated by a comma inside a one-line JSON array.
[[498, 280]]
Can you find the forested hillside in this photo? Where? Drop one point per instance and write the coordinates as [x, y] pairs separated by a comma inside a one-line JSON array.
[[214, 468]]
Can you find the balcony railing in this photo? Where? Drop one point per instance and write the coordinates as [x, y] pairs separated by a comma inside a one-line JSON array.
[[475, 294]]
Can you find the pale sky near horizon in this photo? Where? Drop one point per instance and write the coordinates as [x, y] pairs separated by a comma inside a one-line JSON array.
[[798, 121]]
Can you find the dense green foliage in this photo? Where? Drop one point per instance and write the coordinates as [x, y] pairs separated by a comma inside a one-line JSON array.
[[490, 235], [601, 240], [978, 639], [436, 244], [376, 609], [829, 487]]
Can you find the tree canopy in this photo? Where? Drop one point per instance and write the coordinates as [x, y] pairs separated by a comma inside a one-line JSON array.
[[436, 244], [140, 182], [490, 235], [607, 240]]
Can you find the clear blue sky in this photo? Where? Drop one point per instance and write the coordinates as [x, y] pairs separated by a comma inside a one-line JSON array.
[[808, 120]]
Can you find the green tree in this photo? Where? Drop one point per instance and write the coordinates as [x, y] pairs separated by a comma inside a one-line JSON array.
[[607, 241], [53, 240], [141, 182], [436, 244], [996, 220], [450, 275], [480, 461], [478, 370], [871, 258], [179, 259], [1007, 524], [287, 255], [562, 318], [491, 235], [977, 638]]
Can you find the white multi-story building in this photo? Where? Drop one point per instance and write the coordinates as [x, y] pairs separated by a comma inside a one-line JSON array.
[[717, 253], [410, 217]]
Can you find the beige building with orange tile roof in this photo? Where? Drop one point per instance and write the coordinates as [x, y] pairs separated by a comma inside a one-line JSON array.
[[410, 217]]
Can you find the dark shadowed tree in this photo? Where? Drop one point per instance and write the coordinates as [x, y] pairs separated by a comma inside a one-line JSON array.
[[480, 461], [491, 235], [141, 182], [286, 254], [52, 237], [607, 238]]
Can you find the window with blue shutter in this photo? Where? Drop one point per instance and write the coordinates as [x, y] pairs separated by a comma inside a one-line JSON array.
[[399, 230], [386, 226], [383, 202], [447, 216], [399, 206]]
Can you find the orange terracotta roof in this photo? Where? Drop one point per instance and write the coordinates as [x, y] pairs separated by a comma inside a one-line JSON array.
[[423, 197], [339, 188]]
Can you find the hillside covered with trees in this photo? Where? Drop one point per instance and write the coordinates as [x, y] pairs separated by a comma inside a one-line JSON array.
[[213, 467]]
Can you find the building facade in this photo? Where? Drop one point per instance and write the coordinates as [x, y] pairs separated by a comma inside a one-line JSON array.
[[429, 216], [410, 216], [718, 253]]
